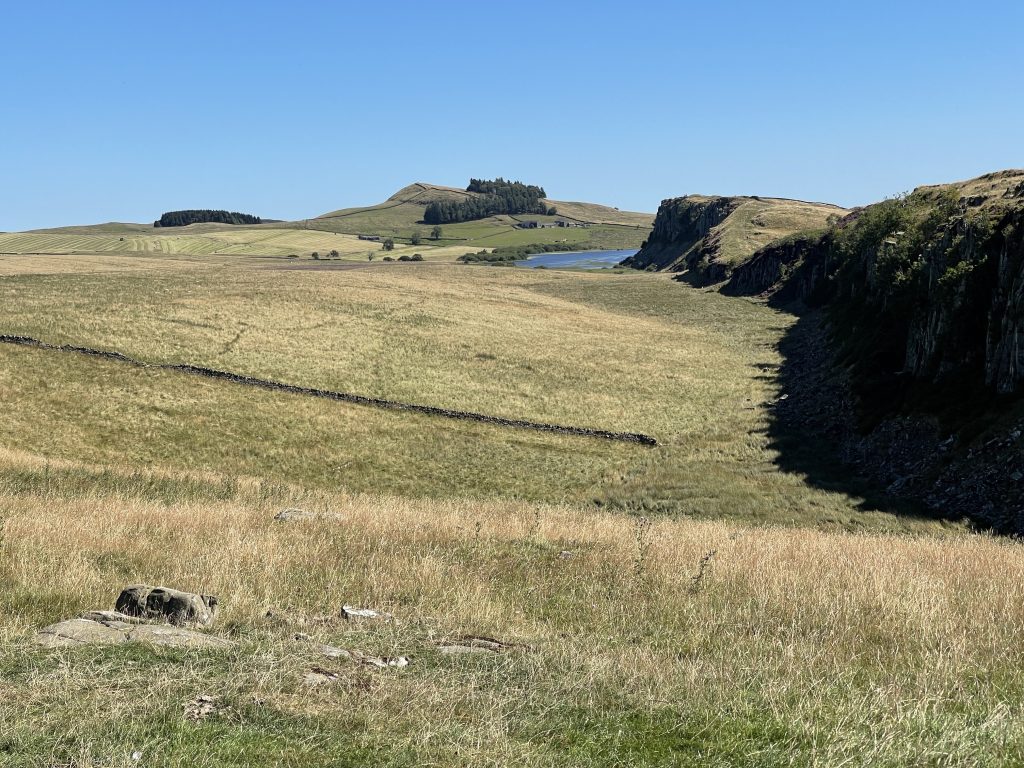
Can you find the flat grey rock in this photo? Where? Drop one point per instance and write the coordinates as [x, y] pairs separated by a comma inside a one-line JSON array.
[[288, 515], [381, 662], [82, 632], [97, 628], [176, 637], [112, 616], [319, 676]]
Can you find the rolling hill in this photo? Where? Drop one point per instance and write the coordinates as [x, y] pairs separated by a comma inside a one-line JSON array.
[[399, 217]]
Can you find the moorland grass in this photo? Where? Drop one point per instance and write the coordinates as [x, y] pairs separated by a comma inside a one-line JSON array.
[[620, 352], [788, 647], [647, 636]]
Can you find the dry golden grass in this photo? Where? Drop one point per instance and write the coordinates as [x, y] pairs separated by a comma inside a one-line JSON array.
[[787, 647], [795, 647], [622, 352], [212, 241], [759, 221]]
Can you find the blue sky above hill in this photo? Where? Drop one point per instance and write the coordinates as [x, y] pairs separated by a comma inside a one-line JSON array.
[[119, 111]]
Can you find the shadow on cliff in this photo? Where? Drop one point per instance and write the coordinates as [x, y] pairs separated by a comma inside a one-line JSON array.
[[812, 422]]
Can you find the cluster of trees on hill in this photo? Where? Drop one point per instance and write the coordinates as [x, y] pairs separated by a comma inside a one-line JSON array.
[[495, 198], [204, 216]]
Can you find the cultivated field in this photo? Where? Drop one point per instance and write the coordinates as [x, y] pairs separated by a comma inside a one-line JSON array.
[[689, 604]]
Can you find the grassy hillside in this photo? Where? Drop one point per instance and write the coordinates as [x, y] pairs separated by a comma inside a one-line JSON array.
[[399, 217], [621, 352], [210, 239], [666, 643], [804, 626]]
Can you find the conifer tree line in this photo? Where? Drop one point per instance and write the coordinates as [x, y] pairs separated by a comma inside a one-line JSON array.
[[497, 197], [203, 216]]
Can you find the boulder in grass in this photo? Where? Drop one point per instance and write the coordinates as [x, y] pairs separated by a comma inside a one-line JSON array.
[[111, 628], [178, 608]]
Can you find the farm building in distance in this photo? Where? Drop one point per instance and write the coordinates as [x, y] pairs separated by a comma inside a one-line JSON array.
[[548, 225]]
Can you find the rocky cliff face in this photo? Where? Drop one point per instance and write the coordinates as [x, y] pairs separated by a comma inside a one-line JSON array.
[[923, 299], [682, 234], [705, 238], [930, 287], [789, 270]]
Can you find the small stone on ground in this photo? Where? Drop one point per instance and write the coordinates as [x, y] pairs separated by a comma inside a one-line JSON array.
[[351, 612]]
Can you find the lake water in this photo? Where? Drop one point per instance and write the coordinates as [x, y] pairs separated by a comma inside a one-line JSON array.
[[576, 259]]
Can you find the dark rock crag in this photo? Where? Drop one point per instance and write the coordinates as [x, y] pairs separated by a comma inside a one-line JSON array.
[[704, 238], [923, 301], [682, 237]]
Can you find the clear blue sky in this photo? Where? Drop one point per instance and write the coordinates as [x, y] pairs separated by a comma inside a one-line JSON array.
[[122, 110]]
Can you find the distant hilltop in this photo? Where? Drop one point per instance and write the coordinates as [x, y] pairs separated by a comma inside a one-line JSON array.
[[401, 218]]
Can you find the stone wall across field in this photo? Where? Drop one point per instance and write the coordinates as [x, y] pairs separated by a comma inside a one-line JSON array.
[[373, 402]]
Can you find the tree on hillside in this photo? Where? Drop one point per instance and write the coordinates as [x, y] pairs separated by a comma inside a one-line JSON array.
[[416, 238], [389, 244], [436, 232]]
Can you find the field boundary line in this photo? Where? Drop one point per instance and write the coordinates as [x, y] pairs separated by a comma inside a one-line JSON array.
[[373, 402]]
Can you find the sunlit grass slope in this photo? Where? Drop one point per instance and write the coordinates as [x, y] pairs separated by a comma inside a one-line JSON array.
[[642, 632], [669, 643], [203, 240], [626, 352]]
